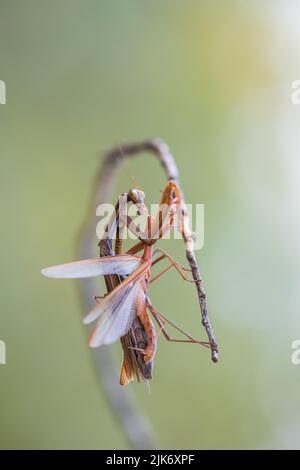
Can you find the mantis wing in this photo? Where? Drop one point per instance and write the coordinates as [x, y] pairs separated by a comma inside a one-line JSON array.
[[116, 313], [121, 264]]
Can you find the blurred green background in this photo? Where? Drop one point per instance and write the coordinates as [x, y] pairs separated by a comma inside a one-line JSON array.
[[213, 80]]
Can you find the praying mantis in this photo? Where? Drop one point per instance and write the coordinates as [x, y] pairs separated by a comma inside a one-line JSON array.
[[128, 278], [135, 341]]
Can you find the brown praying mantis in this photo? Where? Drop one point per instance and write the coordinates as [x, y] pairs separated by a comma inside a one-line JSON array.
[[127, 300], [135, 341]]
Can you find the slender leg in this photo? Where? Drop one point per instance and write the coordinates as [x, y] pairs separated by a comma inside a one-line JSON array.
[[139, 233], [139, 246], [144, 239], [162, 321], [174, 264], [143, 351], [164, 255], [166, 270]]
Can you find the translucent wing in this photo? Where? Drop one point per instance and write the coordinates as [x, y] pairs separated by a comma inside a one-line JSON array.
[[116, 314], [121, 264]]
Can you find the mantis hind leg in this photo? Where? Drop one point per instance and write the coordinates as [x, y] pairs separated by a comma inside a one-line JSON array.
[[162, 321]]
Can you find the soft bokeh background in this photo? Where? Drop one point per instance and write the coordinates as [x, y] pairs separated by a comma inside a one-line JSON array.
[[214, 80]]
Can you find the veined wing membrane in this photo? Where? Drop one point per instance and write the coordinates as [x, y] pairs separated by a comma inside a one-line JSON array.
[[121, 264], [116, 315]]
